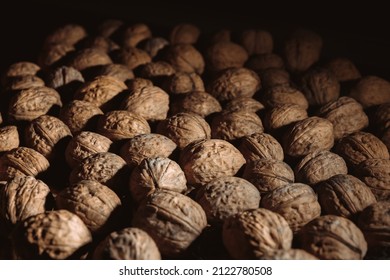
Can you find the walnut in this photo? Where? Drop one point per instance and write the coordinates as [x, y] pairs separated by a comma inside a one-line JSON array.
[[153, 45], [375, 173], [119, 71], [51, 235], [386, 139], [185, 58], [135, 34], [302, 49], [222, 35], [146, 146], [290, 254], [68, 34], [83, 145], [173, 220], [99, 42], [344, 69], [93, 202], [253, 234], [64, 76], [281, 116], [319, 166], [227, 196], [257, 41], [127, 244], [100, 91], [297, 203], [138, 83], [225, 54], [89, 57], [284, 94], [24, 82], [9, 138], [31, 103], [307, 136], [184, 33], [120, 125], [233, 83], [183, 83], [133, 57], [320, 86], [22, 161], [154, 70], [156, 174], [268, 174], [260, 146], [344, 195], [78, 115], [333, 238], [243, 104], [371, 91], [262, 62], [346, 115], [184, 128], [272, 77], [108, 27], [150, 102], [44, 133], [234, 125], [382, 117], [21, 68], [54, 54], [205, 160]]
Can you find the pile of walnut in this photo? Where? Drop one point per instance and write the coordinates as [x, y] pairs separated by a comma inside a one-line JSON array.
[[121, 144]]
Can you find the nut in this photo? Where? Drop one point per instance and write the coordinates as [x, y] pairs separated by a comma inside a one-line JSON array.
[[118, 71], [21, 68], [257, 41], [133, 57], [185, 58], [284, 94], [260, 146], [344, 69], [262, 62], [155, 70], [272, 77], [54, 54], [382, 117], [153, 45], [68, 34], [9, 138], [183, 83], [243, 104], [225, 54], [64, 76], [108, 27], [371, 91], [101, 43], [184, 33], [24, 82], [290, 254], [135, 34], [283, 115], [88, 58]]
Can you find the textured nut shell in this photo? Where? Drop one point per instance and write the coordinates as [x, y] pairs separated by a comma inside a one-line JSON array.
[[234, 125], [22, 197], [185, 58], [78, 113], [146, 146], [319, 166], [156, 69], [63, 76], [225, 54], [154, 174], [108, 27], [255, 233], [93, 202], [243, 104], [118, 71], [184, 33], [343, 69], [102, 43], [54, 235], [359, 146], [43, 133], [307, 136], [375, 173], [21, 68], [88, 58], [272, 77], [344, 195], [133, 57], [31, 103], [83, 145], [227, 196], [283, 115], [297, 203], [386, 139], [153, 45], [100, 90], [205, 160], [135, 34], [183, 83], [268, 174], [257, 41], [138, 83], [346, 115], [68, 34], [9, 138], [290, 254], [184, 128], [233, 83], [284, 94], [371, 91], [53, 53], [173, 220], [260, 146], [333, 238], [120, 125], [151, 103], [24, 82], [262, 62], [22, 161], [127, 244], [382, 117]]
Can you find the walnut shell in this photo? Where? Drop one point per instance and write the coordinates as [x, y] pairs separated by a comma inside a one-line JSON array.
[[262, 62], [253, 234], [319, 166], [51, 235], [268, 174], [185, 58], [154, 174], [93, 202], [31, 103], [21, 68], [375, 173], [138, 83], [382, 117], [184, 128], [225, 54], [272, 77], [83, 145], [24, 82], [9, 138], [173, 220], [346, 115], [183, 83], [227, 196], [64, 76], [282, 115], [44, 133], [157, 69], [297, 203], [54, 54], [68, 34], [290, 254], [135, 34], [344, 195], [222, 35], [371, 91], [260, 146], [88, 58], [257, 41], [120, 125], [333, 238], [22, 197], [108, 27], [307, 136], [243, 104], [133, 57], [127, 244], [386, 139], [284, 94], [146, 146], [22, 161], [233, 83], [153, 45], [119, 71], [205, 160], [344, 69], [184, 33], [101, 43]]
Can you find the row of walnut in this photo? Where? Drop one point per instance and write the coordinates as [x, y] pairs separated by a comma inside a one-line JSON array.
[[121, 144]]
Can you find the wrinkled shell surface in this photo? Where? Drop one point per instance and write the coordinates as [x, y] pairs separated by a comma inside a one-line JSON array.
[[21, 68], [185, 58], [371, 91], [225, 54], [88, 58], [382, 117], [53, 54], [260, 146], [184, 33], [290, 254], [108, 27], [135, 34], [283, 115], [183, 83], [153, 45], [63, 76], [133, 57], [156, 69], [68, 34], [118, 71], [24, 82], [262, 62], [284, 94], [243, 104], [9, 138], [272, 77], [343, 69], [257, 41]]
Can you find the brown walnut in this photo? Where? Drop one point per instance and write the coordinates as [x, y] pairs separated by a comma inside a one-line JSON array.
[[225, 54], [371, 91], [257, 41], [118, 71], [344, 69], [185, 58], [282, 115], [9, 138], [135, 34], [68, 34], [88, 58], [260, 146], [133, 57], [184, 33], [183, 83]]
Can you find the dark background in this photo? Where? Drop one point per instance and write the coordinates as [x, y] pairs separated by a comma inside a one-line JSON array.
[[360, 32]]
